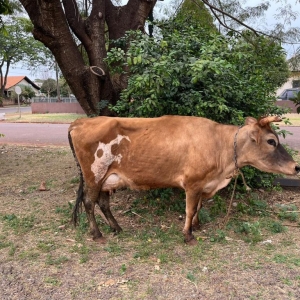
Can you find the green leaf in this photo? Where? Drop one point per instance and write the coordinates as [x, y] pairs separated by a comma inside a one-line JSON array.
[[129, 61]]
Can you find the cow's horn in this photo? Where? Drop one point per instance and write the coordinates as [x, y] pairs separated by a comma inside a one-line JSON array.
[[267, 120]]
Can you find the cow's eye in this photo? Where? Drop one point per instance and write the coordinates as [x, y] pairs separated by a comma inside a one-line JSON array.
[[271, 142]]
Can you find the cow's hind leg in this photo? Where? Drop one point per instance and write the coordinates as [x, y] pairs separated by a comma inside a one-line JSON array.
[[192, 200], [103, 202], [89, 204], [196, 222]]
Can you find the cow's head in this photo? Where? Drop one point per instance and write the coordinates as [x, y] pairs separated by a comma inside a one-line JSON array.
[[262, 149]]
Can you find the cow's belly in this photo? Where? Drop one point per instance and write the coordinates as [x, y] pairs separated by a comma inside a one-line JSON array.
[[215, 185], [114, 181]]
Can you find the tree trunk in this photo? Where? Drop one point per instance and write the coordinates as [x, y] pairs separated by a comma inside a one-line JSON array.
[[56, 23], [3, 80]]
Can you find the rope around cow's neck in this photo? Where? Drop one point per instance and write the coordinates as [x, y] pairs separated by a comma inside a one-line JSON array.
[[236, 174], [237, 170], [235, 151]]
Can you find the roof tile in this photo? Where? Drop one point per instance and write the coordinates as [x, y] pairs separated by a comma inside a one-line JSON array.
[[13, 80]]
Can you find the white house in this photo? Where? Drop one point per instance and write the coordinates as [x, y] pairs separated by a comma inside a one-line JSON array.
[[13, 81]]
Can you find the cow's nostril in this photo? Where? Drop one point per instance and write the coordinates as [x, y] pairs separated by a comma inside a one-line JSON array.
[[297, 168]]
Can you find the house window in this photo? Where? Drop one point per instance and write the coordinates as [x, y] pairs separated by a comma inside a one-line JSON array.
[[296, 84]]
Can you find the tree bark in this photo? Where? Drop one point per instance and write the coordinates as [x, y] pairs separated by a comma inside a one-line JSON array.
[[3, 79], [55, 25]]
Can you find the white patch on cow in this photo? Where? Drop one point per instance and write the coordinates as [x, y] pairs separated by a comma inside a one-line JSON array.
[[101, 164]]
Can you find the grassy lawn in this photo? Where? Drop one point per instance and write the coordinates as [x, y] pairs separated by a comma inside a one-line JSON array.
[[43, 118], [294, 119]]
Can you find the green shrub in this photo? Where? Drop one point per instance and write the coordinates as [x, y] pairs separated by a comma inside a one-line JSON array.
[[192, 71], [188, 70]]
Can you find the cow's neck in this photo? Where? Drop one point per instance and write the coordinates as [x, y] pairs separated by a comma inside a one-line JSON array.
[[241, 144], [233, 152]]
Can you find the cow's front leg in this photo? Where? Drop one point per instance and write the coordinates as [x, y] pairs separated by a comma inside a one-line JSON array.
[[89, 204], [192, 200]]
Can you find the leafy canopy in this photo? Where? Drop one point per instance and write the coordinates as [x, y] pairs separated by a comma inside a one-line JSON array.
[[6, 8], [49, 87], [194, 11], [191, 71], [18, 44]]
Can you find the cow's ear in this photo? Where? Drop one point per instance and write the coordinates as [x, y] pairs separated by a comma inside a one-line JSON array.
[[250, 121], [264, 121], [253, 134]]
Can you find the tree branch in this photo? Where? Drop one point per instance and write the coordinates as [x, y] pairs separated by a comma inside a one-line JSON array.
[[131, 16], [75, 20], [214, 8]]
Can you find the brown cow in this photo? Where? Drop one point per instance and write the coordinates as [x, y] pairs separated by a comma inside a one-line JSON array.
[[191, 153]]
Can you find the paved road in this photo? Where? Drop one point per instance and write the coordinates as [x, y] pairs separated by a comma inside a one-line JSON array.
[[15, 109], [57, 134], [292, 140], [35, 134]]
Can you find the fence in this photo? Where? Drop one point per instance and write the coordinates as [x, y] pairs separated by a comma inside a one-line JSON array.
[[54, 100], [57, 107], [41, 105], [8, 101], [287, 104]]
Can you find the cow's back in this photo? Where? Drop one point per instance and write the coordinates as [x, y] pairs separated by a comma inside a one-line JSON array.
[[92, 130]]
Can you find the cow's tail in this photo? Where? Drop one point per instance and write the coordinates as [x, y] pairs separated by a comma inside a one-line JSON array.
[[80, 192]]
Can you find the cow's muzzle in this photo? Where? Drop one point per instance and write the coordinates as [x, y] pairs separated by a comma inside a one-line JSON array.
[[297, 169]]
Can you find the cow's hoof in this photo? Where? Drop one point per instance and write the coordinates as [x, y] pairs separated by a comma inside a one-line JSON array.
[[116, 230], [192, 242], [100, 240]]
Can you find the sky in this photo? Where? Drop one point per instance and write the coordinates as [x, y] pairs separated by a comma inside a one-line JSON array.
[[19, 70], [271, 20], [161, 6]]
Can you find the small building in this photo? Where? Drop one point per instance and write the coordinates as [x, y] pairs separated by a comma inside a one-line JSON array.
[[293, 82], [13, 81]]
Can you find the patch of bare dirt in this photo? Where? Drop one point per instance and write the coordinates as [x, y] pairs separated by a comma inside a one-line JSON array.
[[42, 256]]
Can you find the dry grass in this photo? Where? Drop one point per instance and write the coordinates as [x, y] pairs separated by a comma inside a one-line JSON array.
[[43, 257]]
